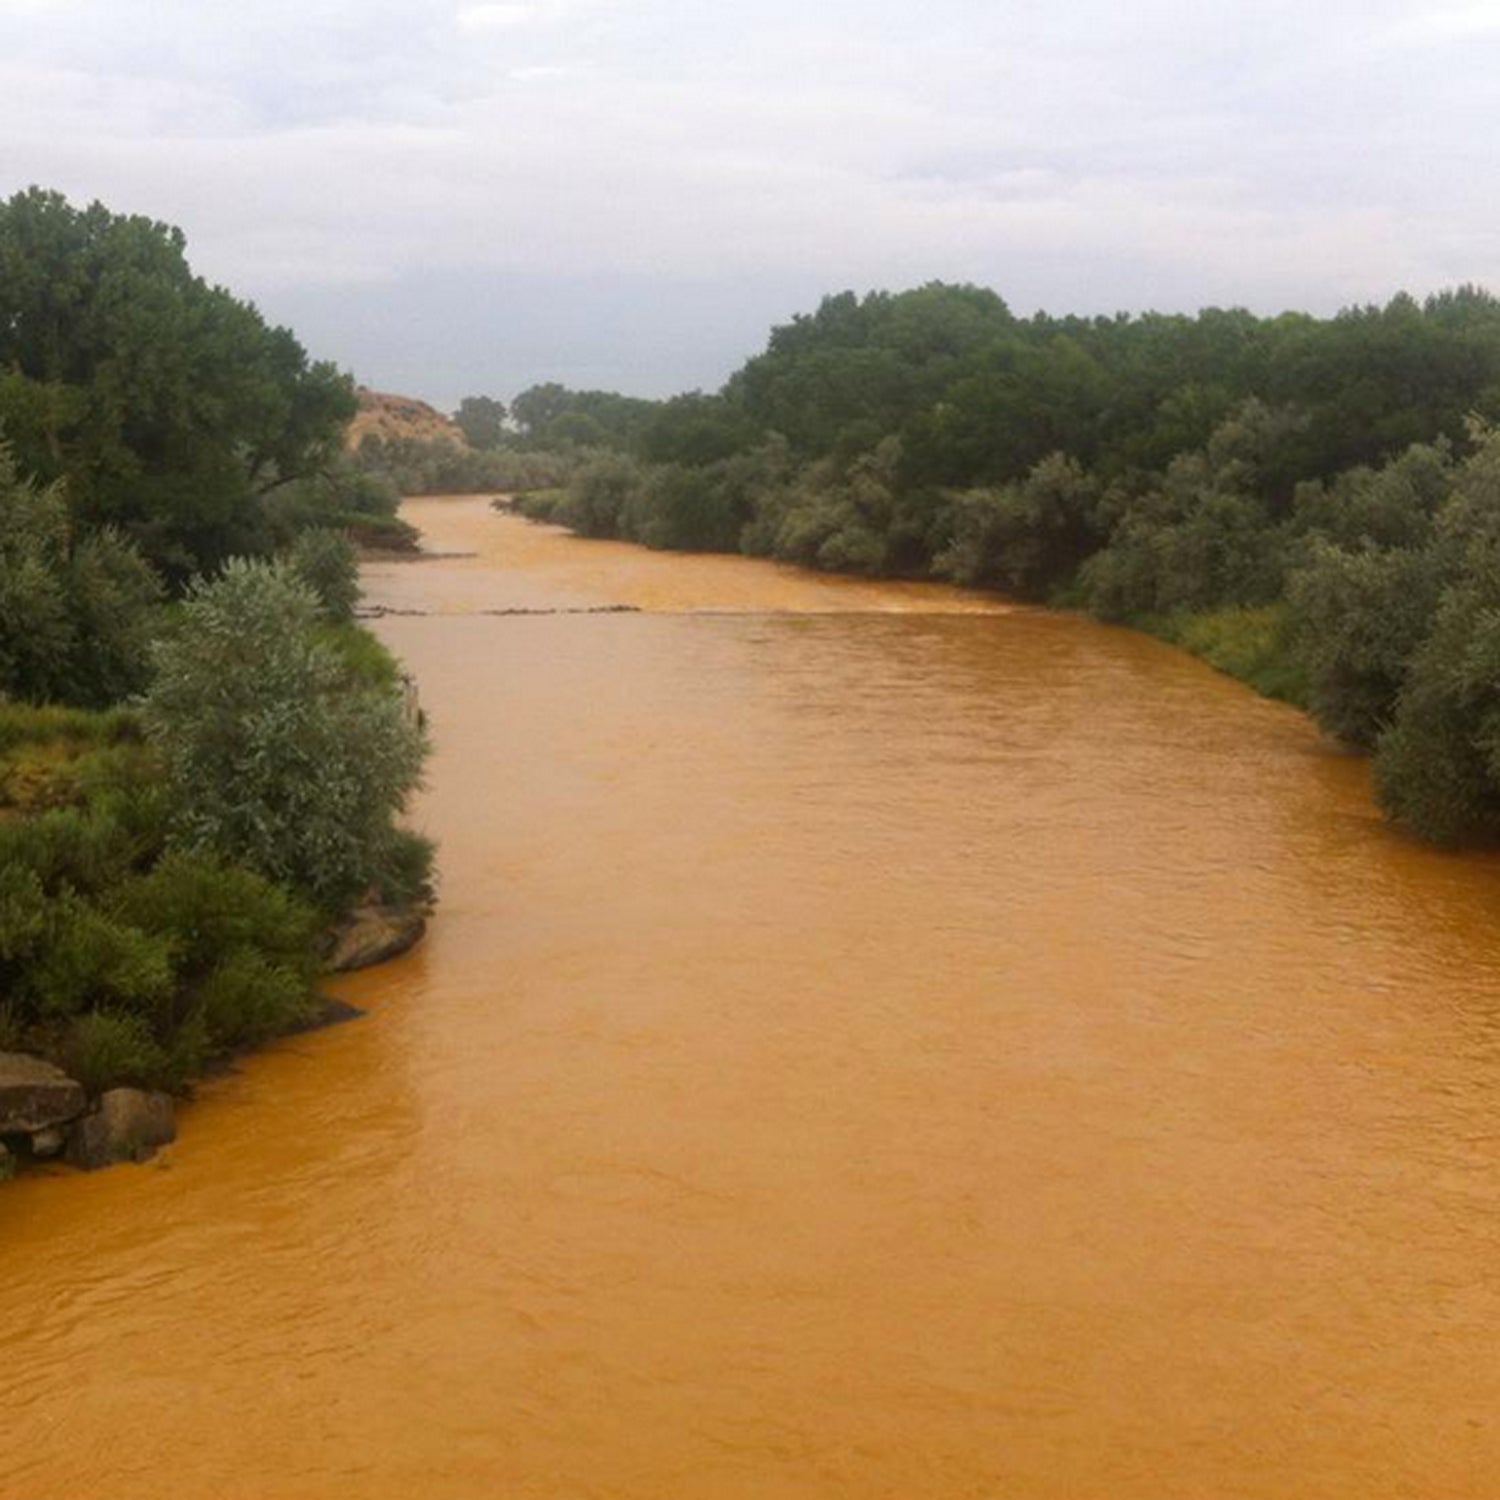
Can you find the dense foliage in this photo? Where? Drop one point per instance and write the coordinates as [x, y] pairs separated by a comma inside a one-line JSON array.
[[170, 408], [124, 961], [189, 790], [1312, 504], [76, 609]]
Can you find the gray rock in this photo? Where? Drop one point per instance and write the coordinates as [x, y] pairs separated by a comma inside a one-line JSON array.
[[372, 934], [127, 1125], [34, 1094], [48, 1142]]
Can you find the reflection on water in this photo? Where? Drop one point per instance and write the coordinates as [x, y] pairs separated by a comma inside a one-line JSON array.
[[875, 1044]]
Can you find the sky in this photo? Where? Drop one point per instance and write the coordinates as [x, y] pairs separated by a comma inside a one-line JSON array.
[[454, 198]]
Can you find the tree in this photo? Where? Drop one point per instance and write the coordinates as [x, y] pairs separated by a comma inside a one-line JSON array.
[[1355, 620], [76, 614], [276, 755], [482, 421], [168, 406]]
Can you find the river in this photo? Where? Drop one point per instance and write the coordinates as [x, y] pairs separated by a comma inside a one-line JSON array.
[[875, 1043]]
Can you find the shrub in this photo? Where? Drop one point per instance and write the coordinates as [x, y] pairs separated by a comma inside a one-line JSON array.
[[275, 757], [406, 875], [86, 957], [1356, 619], [1437, 768], [206, 908], [1026, 538], [76, 616], [249, 997], [326, 562], [103, 1049]]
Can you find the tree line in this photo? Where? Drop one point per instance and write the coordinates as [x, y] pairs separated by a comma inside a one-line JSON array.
[[1312, 503]]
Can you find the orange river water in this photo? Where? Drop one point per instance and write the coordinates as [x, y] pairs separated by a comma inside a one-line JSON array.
[[875, 1043]]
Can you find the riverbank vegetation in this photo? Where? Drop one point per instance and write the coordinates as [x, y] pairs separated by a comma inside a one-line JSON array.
[[203, 759], [1310, 504]]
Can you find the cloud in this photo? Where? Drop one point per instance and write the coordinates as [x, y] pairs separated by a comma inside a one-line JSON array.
[[1427, 27], [494, 17], [1091, 157]]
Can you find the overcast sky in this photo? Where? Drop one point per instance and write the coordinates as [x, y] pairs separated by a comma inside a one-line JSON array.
[[451, 198]]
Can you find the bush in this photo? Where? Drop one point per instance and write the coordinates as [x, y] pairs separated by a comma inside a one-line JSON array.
[[1026, 538], [406, 875], [1437, 768], [76, 616], [86, 957], [326, 562], [1356, 619], [206, 908], [104, 1049], [275, 756], [249, 997]]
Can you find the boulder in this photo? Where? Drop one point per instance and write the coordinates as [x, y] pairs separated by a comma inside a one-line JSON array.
[[126, 1125], [34, 1094], [48, 1142], [7, 1163], [372, 934]]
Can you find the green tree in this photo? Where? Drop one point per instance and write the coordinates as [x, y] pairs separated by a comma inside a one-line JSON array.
[[1355, 620], [482, 421], [168, 406], [76, 614]]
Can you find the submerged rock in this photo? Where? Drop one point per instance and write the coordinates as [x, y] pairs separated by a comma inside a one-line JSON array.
[[34, 1095], [126, 1125], [372, 934]]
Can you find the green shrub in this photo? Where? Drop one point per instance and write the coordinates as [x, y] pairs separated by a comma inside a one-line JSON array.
[[76, 612], [106, 1049], [249, 997], [86, 957], [23, 910], [52, 723], [326, 562], [275, 756], [78, 848], [1437, 768], [206, 908], [1356, 619], [1248, 644], [364, 656], [406, 875]]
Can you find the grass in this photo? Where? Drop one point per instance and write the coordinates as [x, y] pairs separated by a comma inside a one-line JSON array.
[[1248, 644]]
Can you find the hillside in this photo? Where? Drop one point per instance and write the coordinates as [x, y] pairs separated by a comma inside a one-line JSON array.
[[392, 417]]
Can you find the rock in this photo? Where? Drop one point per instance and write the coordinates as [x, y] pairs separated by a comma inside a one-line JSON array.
[[48, 1142], [127, 1125], [372, 934], [7, 1163], [34, 1094]]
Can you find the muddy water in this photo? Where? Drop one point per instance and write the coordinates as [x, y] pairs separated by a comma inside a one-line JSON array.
[[875, 1044]]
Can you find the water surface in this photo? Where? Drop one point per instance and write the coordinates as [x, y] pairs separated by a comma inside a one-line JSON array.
[[876, 1044]]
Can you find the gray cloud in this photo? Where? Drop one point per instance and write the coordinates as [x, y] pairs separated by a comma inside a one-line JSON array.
[[533, 174]]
